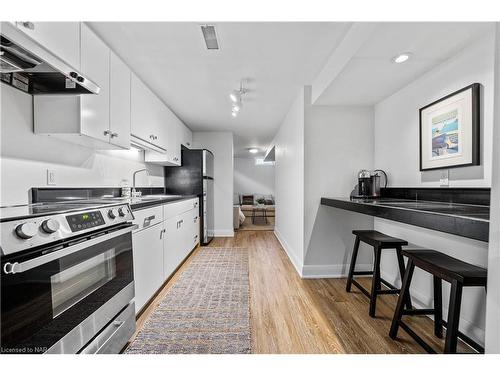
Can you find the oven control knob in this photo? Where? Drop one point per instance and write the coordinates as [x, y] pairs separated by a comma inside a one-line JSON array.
[[122, 211], [50, 226], [112, 213], [26, 230]]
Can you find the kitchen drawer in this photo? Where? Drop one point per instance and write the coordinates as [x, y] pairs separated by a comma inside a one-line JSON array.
[[148, 217], [177, 208]]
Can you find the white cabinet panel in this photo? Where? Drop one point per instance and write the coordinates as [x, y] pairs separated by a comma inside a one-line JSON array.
[[171, 253], [61, 38], [181, 227], [148, 263], [147, 114], [95, 57], [119, 106], [171, 131], [186, 136]]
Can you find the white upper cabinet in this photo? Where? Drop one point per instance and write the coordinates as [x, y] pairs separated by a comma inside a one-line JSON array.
[[125, 109], [95, 56], [119, 106], [100, 121], [61, 38], [186, 136], [173, 130], [147, 116]]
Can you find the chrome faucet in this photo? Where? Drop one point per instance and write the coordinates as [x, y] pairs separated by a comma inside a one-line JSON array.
[[134, 192]]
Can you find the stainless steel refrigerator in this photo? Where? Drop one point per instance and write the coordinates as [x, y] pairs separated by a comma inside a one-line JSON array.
[[195, 177]]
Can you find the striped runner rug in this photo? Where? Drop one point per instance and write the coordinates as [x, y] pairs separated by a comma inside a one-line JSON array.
[[205, 311]]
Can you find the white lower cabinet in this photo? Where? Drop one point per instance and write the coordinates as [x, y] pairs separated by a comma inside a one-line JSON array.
[[181, 235], [171, 246], [148, 263], [165, 237]]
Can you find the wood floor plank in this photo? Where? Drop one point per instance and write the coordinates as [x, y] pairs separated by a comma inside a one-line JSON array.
[[293, 315]]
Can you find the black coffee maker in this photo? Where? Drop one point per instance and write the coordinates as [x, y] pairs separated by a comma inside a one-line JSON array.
[[369, 184]]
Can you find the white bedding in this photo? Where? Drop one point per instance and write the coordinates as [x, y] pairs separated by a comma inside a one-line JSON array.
[[241, 216]]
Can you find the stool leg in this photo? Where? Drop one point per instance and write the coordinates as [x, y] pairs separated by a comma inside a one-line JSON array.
[[438, 307], [353, 264], [405, 288], [450, 345], [376, 285], [401, 264]]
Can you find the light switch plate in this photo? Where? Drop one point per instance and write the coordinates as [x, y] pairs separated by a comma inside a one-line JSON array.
[[51, 177], [444, 179]]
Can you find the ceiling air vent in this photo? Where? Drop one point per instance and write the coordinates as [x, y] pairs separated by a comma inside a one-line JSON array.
[[210, 36]]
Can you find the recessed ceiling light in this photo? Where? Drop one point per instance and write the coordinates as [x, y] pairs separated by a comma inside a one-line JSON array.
[[401, 58], [253, 150], [236, 107], [234, 114]]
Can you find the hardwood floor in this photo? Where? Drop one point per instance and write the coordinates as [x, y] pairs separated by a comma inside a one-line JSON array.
[[293, 315]]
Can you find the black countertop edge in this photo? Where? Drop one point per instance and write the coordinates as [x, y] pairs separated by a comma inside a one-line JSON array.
[[58, 194], [136, 206], [451, 224], [463, 195]]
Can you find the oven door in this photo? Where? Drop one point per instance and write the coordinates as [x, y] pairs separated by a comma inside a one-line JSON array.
[[57, 299]]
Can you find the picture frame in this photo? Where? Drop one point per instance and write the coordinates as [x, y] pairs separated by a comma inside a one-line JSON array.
[[449, 130]]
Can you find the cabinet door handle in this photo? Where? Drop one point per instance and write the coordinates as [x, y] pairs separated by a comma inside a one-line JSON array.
[[148, 219], [107, 132], [161, 233], [113, 135], [196, 218]]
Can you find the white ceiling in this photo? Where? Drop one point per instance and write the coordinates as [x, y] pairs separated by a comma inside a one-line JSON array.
[[276, 58], [370, 76]]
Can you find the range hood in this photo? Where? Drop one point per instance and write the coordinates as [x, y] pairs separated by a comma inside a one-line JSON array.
[[30, 67]]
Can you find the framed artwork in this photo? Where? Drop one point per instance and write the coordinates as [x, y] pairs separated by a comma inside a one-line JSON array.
[[449, 130]]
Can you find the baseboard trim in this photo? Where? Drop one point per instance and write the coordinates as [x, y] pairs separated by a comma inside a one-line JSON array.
[[223, 233], [288, 252], [330, 271]]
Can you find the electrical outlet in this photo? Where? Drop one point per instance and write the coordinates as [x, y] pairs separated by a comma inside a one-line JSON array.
[[444, 179], [51, 177]]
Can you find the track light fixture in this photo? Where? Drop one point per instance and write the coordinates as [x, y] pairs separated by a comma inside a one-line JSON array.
[[236, 98]]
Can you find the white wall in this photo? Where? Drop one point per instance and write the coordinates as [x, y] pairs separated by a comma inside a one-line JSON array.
[[493, 299], [25, 157], [289, 182], [251, 178], [338, 143], [221, 145], [396, 151], [397, 125]]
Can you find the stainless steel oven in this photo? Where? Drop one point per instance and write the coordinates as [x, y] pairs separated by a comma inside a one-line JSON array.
[[71, 295]]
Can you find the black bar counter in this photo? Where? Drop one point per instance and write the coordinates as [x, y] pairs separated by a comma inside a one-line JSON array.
[[460, 211]]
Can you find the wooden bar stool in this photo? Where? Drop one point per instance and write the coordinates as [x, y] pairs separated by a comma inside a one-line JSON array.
[[443, 267], [379, 241]]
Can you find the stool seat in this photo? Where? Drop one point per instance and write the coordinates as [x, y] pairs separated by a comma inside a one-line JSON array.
[[378, 239], [448, 268]]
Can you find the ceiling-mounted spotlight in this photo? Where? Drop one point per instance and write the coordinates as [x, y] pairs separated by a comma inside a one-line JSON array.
[[253, 150], [402, 57], [236, 98]]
